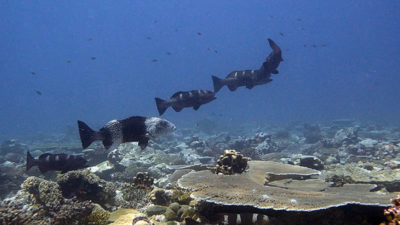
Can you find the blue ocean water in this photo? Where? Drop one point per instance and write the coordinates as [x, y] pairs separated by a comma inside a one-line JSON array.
[[341, 60]]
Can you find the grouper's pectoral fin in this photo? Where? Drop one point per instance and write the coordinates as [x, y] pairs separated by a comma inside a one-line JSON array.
[[196, 107], [177, 108], [275, 71], [143, 142], [249, 85], [232, 87], [43, 169]]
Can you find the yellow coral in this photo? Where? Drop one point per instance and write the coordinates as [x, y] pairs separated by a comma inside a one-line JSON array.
[[98, 218]]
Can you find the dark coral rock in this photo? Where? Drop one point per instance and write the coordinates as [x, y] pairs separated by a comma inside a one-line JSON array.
[[339, 180], [143, 180], [87, 186], [311, 162], [231, 162], [161, 196]]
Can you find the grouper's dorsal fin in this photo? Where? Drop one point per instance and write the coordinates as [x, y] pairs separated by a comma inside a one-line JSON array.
[[177, 94], [44, 156]]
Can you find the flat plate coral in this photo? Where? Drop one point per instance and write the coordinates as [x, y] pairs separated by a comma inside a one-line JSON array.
[[248, 189]]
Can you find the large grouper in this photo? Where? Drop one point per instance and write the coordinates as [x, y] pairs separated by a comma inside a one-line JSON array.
[[185, 99], [251, 78], [133, 129]]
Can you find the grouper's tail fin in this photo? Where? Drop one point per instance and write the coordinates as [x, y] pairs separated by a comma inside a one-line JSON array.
[[274, 47], [161, 105], [87, 134], [217, 83], [30, 161]]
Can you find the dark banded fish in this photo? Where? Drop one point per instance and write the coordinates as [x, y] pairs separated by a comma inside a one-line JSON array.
[[133, 129], [185, 99], [59, 162], [251, 78]]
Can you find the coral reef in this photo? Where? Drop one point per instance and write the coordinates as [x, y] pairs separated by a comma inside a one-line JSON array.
[[231, 162], [132, 196], [143, 180], [161, 196], [99, 216], [392, 214], [87, 186], [40, 202], [129, 217]]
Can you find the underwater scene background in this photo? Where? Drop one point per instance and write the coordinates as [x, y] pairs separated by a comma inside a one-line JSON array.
[[317, 145]]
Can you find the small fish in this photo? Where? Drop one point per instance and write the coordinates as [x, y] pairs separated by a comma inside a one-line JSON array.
[[155, 21], [154, 60], [33, 73], [215, 51], [148, 38], [323, 45], [314, 45], [299, 19], [168, 53], [185, 99], [305, 45], [282, 34], [209, 49], [93, 58], [251, 78], [199, 33], [59, 162], [90, 39], [68, 61], [133, 129], [38, 92]]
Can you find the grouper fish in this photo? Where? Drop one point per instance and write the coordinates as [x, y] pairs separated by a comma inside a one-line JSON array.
[[133, 129], [251, 78], [185, 99], [58, 162]]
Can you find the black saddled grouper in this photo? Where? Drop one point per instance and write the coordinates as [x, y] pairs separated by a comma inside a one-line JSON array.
[[59, 162], [185, 99], [251, 78], [133, 129]]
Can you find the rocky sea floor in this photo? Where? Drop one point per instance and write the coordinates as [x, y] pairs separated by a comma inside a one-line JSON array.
[[338, 172]]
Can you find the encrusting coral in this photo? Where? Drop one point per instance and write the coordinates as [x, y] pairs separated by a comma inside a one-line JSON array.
[[87, 186], [231, 162]]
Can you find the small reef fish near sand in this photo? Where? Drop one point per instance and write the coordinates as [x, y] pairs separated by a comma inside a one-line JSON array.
[[59, 162], [133, 129], [185, 99], [251, 78]]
